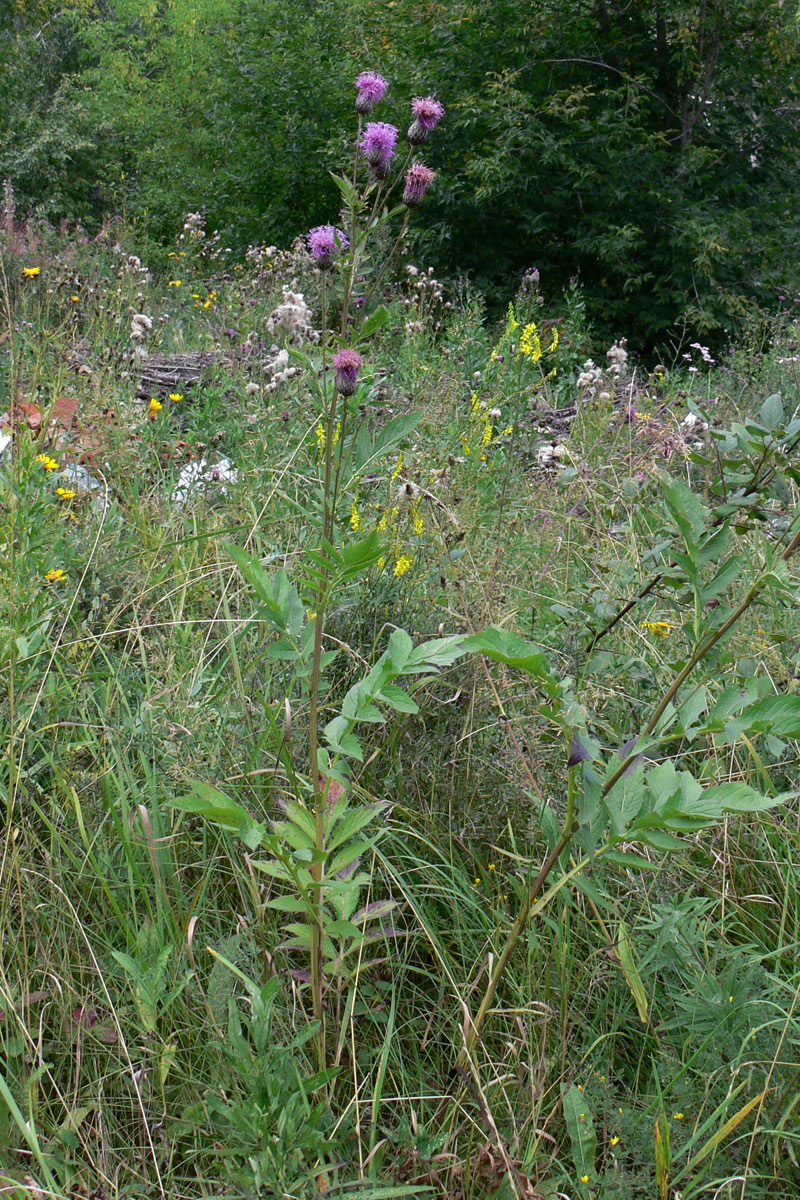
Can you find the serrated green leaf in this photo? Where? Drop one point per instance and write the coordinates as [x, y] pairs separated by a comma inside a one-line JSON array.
[[373, 323]]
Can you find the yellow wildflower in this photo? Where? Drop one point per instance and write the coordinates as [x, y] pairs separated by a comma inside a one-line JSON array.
[[30, 272], [509, 429], [176, 397], [56, 575], [402, 565], [65, 494], [381, 562], [615, 1141], [47, 462], [174, 283], [416, 517], [397, 469], [584, 1178], [529, 344], [320, 437], [355, 519], [337, 433], [678, 1116], [75, 299], [488, 433], [657, 628], [155, 408]]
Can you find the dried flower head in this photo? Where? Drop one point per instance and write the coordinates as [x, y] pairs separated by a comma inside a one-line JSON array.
[[377, 146], [371, 88], [325, 244], [418, 179], [347, 364]]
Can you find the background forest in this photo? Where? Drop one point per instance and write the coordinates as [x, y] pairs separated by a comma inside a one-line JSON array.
[[399, 593], [648, 148]]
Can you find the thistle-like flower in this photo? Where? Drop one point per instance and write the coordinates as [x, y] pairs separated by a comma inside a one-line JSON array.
[[377, 146], [427, 115], [371, 88], [347, 364], [325, 243], [418, 179]]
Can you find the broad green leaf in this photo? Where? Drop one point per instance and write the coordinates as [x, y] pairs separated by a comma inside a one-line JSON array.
[[688, 513], [772, 413], [394, 696], [503, 646], [624, 802], [580, 1127], [373, 323], [218, 809]]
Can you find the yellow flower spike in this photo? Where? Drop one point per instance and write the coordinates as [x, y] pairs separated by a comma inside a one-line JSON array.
[[529, 344], [30, 272], [176, 397], [337, 433], [552, 349], [381, 562], [320, 437], [56, 575], [402, 565], [355, 519], [397, 470], [419, 524]]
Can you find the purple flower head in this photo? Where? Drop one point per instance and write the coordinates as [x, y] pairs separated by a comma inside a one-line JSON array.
[[427, 115], [325, 242], [371, 88], [377, 146], [418, 179], [347, 364]]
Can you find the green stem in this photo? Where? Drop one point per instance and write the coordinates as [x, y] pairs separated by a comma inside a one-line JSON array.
[[319, 793], [525, 912]]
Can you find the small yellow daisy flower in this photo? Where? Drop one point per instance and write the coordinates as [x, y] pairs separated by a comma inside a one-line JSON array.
[[176, 397], [30, 272], [55, 575], [657, 628], [155, 408], [47, 462], [65, 494]]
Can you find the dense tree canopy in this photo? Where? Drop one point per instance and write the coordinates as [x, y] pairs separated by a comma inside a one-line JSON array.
[[649, 148]]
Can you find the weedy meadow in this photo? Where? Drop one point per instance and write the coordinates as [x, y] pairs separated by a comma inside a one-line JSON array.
[[401, 721]]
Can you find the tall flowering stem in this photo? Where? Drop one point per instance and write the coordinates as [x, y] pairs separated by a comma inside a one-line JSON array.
[[343, 253]]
